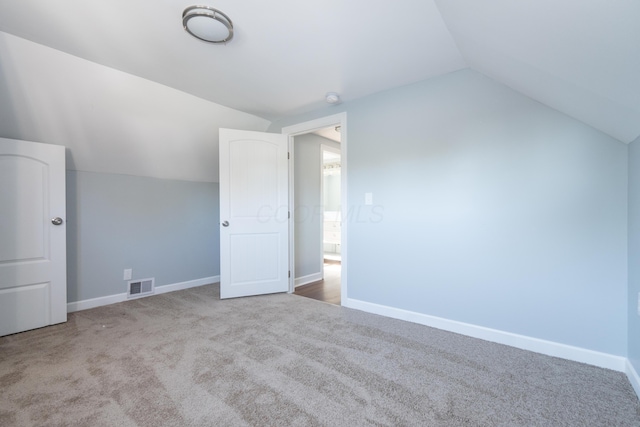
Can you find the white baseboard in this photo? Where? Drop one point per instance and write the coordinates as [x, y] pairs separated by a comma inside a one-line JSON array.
[[186, 285], [549, 348], [112, 299], [634, 379], [310, 278], [95, 302]]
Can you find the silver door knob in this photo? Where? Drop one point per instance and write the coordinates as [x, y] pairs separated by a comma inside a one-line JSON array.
[[56, 221], [225, 223]]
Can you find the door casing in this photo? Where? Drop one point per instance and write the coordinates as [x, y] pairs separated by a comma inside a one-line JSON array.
[[339, 119]]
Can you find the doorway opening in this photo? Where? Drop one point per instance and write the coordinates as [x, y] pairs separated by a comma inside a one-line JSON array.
[[317, 183], [332, 213]]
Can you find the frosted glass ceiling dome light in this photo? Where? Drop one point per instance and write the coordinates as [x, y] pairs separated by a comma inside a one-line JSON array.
[[207, 24], [332, 98]]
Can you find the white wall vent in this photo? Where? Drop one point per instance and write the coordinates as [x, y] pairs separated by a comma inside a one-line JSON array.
[[140, 288]]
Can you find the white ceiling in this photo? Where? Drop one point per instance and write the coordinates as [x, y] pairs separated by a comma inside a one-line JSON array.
[[332, 133], [581, 57], [284, 56]]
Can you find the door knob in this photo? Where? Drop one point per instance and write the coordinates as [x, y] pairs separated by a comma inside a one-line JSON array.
[[56, 221], [225, 223]]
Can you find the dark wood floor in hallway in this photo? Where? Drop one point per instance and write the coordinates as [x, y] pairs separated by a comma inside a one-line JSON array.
[[327, 290]]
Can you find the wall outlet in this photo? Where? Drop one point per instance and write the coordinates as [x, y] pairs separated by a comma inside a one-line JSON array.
[[368, 199], [127, 274]]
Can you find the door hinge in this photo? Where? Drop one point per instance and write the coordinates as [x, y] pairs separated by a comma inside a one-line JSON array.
[[289, 214], [288, 155], [289, 274]]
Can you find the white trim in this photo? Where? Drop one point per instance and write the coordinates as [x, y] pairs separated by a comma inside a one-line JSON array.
[[321, 204], [306, 127], [95, 302], [188, 284], [549, 348], [316, 124], [309, 278], [292, 219], [112, 299], [634, 379]]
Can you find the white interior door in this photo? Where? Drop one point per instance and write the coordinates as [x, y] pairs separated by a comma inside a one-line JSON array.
[[33, 271], [254, 213]]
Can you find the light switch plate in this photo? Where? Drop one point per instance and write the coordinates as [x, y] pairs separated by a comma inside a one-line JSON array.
[[368, 198]]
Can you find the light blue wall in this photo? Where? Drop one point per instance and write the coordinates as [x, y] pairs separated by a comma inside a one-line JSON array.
[[308, 207], [160, 228], [634, 253], [490, 209]]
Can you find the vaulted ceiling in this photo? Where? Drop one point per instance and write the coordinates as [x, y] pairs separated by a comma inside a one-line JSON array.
[[581, 57]]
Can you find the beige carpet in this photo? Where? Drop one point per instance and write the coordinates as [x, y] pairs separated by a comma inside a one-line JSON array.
[[188, 359]]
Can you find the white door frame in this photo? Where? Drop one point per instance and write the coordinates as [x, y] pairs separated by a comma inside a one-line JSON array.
[[339, 119]]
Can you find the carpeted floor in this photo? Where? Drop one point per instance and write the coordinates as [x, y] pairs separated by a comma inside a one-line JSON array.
[[188, 359]]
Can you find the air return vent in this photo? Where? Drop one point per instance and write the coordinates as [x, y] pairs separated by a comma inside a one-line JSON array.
[[140, 288]]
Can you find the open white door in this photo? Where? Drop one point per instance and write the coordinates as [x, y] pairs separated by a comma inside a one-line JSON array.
[[254, 213], [33, 260]]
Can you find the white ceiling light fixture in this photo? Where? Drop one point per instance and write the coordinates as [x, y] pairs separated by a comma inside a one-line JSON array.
[[207, 24], [332, 98]]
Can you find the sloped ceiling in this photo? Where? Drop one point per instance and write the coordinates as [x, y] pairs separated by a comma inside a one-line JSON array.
[[581, 57], [284, 57]]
